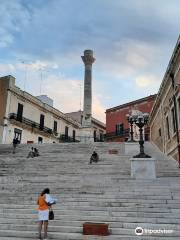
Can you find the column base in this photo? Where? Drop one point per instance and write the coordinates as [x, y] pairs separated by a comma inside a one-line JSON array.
[[86, 135]]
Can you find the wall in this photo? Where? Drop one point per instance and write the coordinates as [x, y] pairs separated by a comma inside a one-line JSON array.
[[114, 117], [162, 109], [118, 114], [5, 83]]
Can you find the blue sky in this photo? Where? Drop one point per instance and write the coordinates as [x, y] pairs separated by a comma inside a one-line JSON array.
[[41, 43]]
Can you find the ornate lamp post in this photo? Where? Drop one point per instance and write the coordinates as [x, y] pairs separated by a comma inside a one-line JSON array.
[[141, 121], [130, 121]]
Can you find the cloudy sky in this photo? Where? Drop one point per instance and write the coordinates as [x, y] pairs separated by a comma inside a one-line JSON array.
[[41, 43]]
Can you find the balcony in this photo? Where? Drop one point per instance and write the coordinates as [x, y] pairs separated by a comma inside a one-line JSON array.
[[65, 138], [124, 135], [30, 123]]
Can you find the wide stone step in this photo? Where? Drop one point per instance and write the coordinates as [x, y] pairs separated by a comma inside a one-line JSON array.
[[99, 218], [108, 212], [103, 198], [79, 236], [13, 224], [87, 196], [74, 229], [70, 207]]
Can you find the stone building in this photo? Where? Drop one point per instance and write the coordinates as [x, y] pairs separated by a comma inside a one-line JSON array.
[[165, 116], [117, 126], [98, 127], [30, 118]]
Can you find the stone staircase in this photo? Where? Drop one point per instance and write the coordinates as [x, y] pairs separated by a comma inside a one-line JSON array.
[[102, 192]]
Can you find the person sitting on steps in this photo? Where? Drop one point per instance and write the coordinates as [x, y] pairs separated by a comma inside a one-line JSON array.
[[36, 152], [31, 153], [94, 157]]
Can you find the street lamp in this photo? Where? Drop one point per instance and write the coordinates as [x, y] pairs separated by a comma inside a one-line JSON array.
[[130, 121], [141, 121]]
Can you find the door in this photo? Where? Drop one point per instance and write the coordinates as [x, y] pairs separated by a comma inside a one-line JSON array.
[[74, 135], [40, 140], [66, 133], [18, 134], [95, 136]]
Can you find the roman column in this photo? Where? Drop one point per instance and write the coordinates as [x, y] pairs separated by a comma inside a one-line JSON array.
[[88, 60]]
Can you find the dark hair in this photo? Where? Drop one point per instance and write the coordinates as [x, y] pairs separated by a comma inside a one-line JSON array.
[[45, 191]]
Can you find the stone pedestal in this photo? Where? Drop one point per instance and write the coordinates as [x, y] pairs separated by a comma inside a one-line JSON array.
[[143, 168], [86, 135]]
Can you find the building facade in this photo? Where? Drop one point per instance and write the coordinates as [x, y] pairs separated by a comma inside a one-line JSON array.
[[98, 127], [30, 119], [165, 116], [117, 126]]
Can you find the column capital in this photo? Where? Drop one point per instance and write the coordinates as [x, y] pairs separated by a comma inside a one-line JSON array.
[[88, 58]]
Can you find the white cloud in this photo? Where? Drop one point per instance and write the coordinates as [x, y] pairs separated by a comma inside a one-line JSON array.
[[66, 94], [147, 81], [36, 65], [13, 18], [6, 69], [128, 58], [5, 38], [98, 110]]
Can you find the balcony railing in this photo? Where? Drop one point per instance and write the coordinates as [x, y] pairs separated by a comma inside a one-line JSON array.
[[65, 138], [30, 123], [126, 134], [122, 134]]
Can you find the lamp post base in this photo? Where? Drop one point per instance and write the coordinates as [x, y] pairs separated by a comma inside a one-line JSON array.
[[143, 168], [142, 155]]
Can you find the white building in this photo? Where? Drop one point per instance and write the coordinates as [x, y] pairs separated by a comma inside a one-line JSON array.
[[30, 119]]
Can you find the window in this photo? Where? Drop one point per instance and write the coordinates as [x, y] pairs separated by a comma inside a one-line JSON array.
[[173, 120], [74, 135], [55, 127], [167, 126], [95, 136], [178, 112], [41, 127], [119, 129], [19, 112], [101, 137], [66, 133], [159, 132]]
